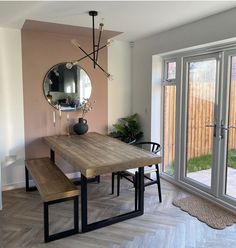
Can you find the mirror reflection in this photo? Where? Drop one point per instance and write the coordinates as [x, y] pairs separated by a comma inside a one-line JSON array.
[[65, 88]]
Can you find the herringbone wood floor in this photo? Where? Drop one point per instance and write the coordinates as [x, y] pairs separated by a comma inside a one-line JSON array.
[[162, 225]]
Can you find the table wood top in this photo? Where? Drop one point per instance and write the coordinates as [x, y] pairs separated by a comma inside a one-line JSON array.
[[95, 154]]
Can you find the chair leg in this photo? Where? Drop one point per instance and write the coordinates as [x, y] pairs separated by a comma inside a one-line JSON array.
[[158, 182], [112, 182], [118, 183], [136, 191]]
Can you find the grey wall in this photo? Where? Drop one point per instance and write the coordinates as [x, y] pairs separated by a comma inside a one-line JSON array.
[[211, 29]]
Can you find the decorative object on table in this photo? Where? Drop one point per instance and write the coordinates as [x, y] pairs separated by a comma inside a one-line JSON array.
[[93, 56], [127, 129], [205, 211], [82, 127], [65, 89]]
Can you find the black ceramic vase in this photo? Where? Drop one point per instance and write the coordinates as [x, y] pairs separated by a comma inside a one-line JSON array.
[[81, 127]]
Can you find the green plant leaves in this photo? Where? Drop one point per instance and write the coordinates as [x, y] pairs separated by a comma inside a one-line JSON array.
[[127, 129]]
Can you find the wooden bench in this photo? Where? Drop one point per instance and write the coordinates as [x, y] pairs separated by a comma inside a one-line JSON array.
[[54, 187]]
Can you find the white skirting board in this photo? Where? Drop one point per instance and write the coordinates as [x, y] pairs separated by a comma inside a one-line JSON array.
[[21, 184]]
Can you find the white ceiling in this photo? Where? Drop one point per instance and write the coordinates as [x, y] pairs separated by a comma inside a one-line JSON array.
[[136, 19]]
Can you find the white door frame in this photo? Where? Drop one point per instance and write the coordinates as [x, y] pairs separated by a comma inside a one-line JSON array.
[[213, 188], [224, 119]]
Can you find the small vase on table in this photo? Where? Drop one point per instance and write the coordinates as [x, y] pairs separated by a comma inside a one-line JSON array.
[[81, 127]]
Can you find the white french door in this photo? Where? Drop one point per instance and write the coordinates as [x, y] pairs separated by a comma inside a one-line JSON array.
[[200, 136], [202, 100], [208, 124], [227, 163]]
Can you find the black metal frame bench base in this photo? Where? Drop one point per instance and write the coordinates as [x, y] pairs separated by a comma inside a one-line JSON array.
[[63, 234], [47, 237]]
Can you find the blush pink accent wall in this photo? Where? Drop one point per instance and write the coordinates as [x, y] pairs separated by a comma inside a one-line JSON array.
[[44, 45]]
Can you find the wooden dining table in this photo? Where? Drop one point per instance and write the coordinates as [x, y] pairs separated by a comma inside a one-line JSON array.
[[94, 154]]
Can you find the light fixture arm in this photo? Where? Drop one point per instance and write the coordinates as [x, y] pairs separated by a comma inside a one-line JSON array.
[[100, 48], [99, 39], [77, 45]]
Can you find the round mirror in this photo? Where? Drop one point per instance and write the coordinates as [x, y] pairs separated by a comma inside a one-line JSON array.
[[65, 88]]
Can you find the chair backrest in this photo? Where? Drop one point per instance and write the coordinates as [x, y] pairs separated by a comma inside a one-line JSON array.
[[150, 146]]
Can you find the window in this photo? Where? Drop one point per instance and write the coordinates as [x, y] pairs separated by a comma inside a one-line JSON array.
[[171, 70]]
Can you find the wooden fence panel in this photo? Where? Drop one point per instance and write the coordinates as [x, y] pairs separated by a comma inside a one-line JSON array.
[[200, 113]]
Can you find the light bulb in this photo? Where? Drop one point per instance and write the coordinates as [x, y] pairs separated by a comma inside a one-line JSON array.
[[69, 65]]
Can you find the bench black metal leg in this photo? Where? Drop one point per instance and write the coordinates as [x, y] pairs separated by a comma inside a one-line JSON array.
[[52, 155], [27, 187], [76, 214], [98, 179], [84, 203], [47, 237], [46, 222], [26, 179]]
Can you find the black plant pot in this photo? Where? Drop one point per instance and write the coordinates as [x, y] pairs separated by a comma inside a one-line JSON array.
[[81, 127]]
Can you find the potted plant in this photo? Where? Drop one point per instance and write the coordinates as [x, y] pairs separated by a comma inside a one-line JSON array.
[[127, 129]]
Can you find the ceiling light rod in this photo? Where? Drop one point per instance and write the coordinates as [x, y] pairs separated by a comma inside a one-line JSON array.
[[93, 13]]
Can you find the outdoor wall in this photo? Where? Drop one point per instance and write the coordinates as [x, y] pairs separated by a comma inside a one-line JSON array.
[[211, 29], [119, 88], [12, 150]]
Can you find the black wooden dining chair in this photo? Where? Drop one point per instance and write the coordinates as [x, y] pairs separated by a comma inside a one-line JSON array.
[[130, 174]]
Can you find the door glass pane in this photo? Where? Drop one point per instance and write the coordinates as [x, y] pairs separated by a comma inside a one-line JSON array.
[[200, 120], [231, 148], [169, 129]]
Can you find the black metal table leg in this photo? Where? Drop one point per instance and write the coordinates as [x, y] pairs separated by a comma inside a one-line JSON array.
[[139, 209], [141, 189]]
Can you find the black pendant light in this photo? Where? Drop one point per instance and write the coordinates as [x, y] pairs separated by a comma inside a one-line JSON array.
[[93, 56]]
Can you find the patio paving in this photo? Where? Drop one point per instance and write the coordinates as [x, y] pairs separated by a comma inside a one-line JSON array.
[[204, 177]]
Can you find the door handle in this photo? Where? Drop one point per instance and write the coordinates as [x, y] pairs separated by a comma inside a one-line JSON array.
[[213, 126], [224, 128]]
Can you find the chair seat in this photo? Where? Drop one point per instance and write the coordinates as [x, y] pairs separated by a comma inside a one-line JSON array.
[[147, 170]]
